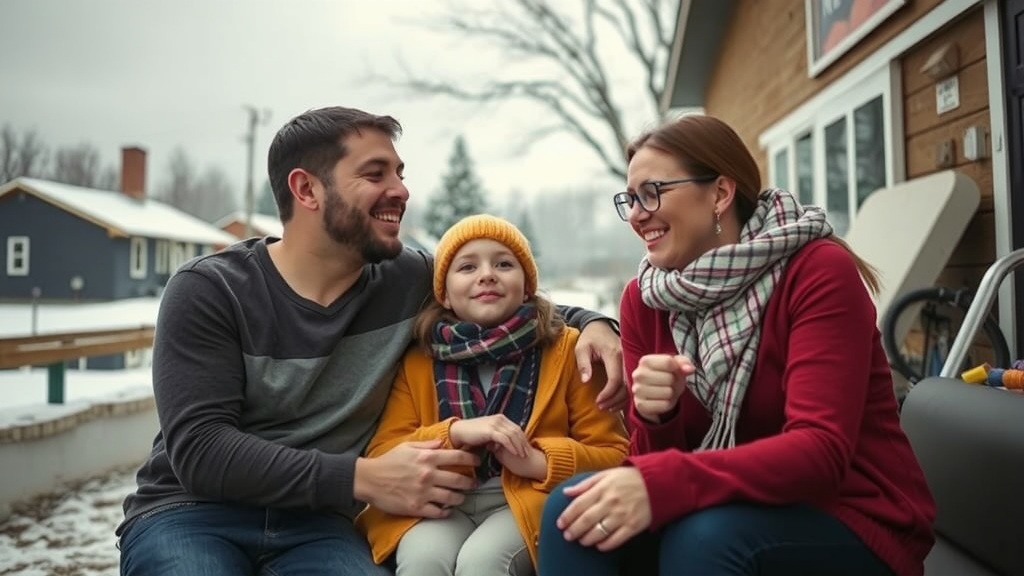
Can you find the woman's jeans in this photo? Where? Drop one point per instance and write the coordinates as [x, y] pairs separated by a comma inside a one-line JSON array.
[[730, 540], [209, 539]]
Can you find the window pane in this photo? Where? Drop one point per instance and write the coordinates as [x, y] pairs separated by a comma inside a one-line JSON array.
[[782, 169], [837, 184], [805, 169], [867, 132]]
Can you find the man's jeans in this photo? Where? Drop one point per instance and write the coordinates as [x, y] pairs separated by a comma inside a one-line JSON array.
[[731, 540], [215, 539]]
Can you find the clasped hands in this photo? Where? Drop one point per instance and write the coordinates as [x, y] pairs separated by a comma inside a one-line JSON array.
[[417, 478]]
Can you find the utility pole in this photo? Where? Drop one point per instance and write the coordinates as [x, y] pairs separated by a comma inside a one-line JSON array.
[[256, 117]]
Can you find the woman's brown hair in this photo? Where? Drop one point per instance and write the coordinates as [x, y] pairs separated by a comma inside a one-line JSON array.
[[549, 324], [705, 145]]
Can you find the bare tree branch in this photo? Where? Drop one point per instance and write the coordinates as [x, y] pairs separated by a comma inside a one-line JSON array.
[[8, 154], [208, 196], [580, 94], [77, 165], [23, 155], [31, 155], [628, 28]]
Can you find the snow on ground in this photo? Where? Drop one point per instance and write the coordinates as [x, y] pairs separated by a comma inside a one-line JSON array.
[[70, 533], [23, 392], [16, 319]]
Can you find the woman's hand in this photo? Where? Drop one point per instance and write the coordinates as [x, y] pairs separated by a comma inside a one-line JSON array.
[[608, 509], [484, 430], [534, 466], [658, 382]]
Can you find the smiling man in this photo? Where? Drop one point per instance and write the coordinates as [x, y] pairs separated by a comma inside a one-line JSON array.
[[272, 364]]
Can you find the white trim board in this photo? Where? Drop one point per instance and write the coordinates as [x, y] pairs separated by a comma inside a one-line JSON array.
[[924, 27], [1000, 166], [682, 18]]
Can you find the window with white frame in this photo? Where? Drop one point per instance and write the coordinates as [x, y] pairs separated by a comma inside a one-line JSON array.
[[162, 255], [177, 256], [836, 153], [138, 258], [17, 255]]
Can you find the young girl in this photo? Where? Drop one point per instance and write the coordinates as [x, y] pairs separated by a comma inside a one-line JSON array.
[[494, 373]]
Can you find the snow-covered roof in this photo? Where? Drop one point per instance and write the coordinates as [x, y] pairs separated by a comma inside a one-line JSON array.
[[121, 214], [262, 224]]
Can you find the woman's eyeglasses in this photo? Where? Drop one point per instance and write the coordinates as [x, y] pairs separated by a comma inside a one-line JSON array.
[[649, 195]]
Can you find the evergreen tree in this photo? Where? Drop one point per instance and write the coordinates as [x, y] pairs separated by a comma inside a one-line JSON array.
[[525, 225], [266, 204], [461, 193]]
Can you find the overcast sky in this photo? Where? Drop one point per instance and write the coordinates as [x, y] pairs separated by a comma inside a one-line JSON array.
[[163, 74]]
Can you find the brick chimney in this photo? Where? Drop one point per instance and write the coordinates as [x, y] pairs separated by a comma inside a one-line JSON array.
[[133, 172]]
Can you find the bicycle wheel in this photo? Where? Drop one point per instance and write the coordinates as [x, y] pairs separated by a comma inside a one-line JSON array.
[[957, 301]]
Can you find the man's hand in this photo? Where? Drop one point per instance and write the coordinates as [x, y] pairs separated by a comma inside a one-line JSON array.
[[409, 480], [658, 382], [608, 509], [484, 430], [598, 342]]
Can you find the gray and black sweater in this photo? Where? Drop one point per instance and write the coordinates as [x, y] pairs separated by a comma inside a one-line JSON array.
[[266, 398]]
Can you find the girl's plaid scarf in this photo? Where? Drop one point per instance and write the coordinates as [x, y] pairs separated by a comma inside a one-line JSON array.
[[716, 303], [459, 347]]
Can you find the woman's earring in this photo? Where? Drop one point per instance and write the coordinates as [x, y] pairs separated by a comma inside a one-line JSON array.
[[718, 224]]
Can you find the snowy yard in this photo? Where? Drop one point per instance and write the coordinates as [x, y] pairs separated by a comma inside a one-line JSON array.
[[67, 534], [71, 532], [16, 319]]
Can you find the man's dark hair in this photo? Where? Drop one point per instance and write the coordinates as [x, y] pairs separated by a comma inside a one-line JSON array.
[[313, 141]]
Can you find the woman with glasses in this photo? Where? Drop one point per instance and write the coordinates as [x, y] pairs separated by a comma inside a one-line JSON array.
[[764, 431]]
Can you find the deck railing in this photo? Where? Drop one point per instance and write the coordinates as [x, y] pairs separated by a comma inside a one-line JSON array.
[[54, 350]]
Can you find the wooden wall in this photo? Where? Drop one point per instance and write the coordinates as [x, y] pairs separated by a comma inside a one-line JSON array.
[[761, 76], [761, 72], [924, 130]]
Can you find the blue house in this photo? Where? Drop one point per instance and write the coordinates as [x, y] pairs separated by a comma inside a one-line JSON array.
[[66, 243]]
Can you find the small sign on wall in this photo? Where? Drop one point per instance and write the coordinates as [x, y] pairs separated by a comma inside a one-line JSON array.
[[947, 95]]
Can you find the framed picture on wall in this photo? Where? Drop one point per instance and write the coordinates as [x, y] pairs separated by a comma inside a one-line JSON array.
[[835, 26]]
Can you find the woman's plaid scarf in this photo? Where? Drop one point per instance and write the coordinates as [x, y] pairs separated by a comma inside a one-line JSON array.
[[459, 347], [717, 301]]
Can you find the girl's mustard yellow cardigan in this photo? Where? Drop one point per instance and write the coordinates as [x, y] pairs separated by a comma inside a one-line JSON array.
[[565, 424]]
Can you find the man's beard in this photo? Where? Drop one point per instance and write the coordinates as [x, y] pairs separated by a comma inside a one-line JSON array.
[[347, 225]]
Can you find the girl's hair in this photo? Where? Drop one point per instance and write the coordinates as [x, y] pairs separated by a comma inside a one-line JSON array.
[[549, 324], [704, 145]]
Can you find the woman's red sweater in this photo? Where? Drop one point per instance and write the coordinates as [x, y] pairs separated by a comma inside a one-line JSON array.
[[819, 423]]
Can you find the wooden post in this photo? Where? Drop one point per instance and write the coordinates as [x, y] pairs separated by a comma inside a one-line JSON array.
[[56, 380]]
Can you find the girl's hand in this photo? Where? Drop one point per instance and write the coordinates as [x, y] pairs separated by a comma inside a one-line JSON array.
[[484, 430], [658, 382], [534, 466], [608, 509]]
